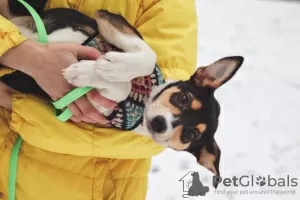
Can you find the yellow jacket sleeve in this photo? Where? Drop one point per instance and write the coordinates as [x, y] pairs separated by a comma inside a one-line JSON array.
[[9, 37], [170, 28]]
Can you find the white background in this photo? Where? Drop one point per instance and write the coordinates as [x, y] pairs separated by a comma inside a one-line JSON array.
[[259, 124]]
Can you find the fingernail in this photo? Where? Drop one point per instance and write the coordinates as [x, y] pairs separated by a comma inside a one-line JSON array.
[[116, 107]]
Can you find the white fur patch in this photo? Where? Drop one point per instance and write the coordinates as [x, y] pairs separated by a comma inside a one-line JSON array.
[[138, 59], [66, 35], [28, 33]]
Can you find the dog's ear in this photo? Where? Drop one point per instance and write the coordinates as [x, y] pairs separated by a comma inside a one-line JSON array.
[[208, 155], [218, 73]]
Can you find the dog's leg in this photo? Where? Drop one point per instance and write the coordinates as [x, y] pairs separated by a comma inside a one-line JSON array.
[[137, 58], [83, 74], [111, 73]]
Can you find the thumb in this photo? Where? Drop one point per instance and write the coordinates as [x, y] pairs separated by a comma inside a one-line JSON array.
[[86, 53]]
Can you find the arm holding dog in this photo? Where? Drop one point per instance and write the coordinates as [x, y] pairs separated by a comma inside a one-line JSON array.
[[5, 94], [47, 71], [9, 38]]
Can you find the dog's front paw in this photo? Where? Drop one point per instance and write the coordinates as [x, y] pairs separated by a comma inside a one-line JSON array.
[[80, 74], [123, 67], [111, 69]]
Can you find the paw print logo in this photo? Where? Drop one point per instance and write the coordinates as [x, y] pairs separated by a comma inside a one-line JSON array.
[[261, 181]]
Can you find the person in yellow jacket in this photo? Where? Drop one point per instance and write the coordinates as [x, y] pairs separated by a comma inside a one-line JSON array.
[[77, 160]]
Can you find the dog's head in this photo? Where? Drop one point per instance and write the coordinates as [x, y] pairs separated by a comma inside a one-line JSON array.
[[184, 115]]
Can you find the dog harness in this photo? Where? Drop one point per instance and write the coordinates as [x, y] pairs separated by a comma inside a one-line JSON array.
[[130, 112]]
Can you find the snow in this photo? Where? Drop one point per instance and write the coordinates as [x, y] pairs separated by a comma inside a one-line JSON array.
[[258, 132]]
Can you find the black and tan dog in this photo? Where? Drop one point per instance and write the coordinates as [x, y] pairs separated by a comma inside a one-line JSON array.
[[182, 115]]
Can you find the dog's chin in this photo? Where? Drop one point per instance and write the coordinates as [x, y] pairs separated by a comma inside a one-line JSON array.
[[160, 140], [155, 136], [164, 143]]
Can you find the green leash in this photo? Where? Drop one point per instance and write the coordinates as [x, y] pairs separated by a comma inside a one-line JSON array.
[[43, 37], [66, 100], [13, 164], [60, 104]]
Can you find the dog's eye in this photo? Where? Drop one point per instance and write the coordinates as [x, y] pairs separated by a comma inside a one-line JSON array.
[[184, 99]]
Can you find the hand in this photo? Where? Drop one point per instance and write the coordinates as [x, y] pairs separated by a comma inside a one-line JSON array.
[[45, 64], [6, 96]]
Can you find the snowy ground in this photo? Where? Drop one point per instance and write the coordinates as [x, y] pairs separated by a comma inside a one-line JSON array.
[[259, 132]]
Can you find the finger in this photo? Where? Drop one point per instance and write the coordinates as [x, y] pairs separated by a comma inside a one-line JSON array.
[[86, 53], [75, 111], [98, 98], [6, 96], [78, 114], [74, 119], [90, 111]]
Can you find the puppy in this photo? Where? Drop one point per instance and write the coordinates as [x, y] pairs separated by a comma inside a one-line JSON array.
[[182, 115]]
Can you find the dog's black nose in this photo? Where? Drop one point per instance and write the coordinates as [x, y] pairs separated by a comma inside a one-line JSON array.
[[158, 124]]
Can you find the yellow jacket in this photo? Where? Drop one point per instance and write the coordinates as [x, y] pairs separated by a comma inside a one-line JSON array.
[[78, 161]]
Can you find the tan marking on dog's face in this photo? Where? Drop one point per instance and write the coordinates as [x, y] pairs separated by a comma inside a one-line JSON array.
[[175, 141], [207, 160], [201, 127], [164, 100], [196, 104]]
